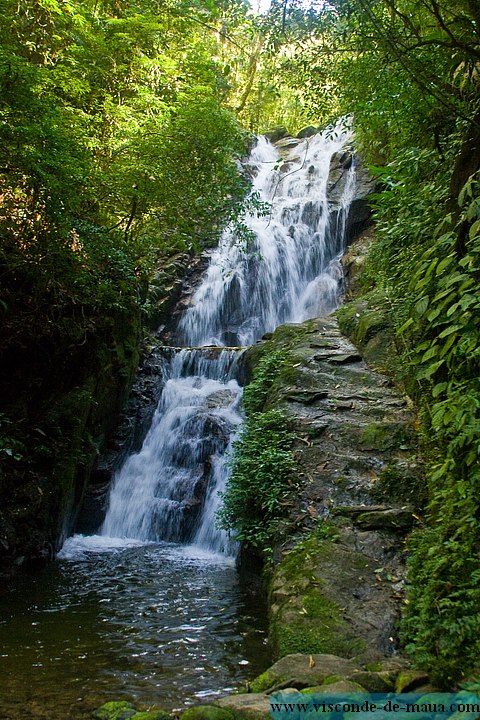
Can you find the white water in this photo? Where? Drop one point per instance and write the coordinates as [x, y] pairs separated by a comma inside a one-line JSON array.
[[160, 492], [171, 490], [290, 272]]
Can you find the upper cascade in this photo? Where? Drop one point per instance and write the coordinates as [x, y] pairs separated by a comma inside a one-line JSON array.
[[288, 270]]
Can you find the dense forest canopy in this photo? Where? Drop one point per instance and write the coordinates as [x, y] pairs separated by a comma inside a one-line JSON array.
[[121, 127]]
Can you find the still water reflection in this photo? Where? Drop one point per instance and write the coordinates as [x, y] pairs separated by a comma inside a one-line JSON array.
[[158, 624]]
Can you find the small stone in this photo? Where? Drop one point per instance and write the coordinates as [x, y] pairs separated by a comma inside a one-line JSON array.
[[345, 359]]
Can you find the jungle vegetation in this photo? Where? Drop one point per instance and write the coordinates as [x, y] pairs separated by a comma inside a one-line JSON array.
[[121, 125]]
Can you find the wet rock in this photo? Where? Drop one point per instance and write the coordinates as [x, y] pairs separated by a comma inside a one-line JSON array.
[[286, 143], [221, 398], [127, 437], [354, 430], [359, 214]]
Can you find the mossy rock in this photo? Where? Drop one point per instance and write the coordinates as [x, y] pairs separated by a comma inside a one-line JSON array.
[[375, 682], [276, 134], [393, 665], [303, 670], [115, 710], [390, 519], [151, 715], [207, 712], [266, 680], [385, 436], [335, 685], [341, 687], [408, 680]]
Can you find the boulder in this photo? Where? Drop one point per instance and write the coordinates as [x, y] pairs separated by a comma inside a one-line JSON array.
[[391, 519], [307, 132], [408, 680], [338, 687], [276, 134], [302, 671], [287, 143]]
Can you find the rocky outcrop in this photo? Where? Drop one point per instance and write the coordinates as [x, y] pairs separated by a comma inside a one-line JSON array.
[[359, 214], [127, 437], [65, 400], [338, 577]]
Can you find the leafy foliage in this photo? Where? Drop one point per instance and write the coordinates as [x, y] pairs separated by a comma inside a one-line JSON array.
[[442, 621], [262, 467], [261, 480]]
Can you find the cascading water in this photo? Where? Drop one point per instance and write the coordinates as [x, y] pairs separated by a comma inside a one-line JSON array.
[[288, 272], [160, 492]]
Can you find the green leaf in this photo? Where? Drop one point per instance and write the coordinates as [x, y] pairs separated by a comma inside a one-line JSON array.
[[421, 306], [449, 330], [474, 230]]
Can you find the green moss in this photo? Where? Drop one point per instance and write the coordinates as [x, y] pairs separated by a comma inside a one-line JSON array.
[[398, 483], [320, 634], [332, 679], [409, 679], [114, 710], [385, 436], [265, 680], [207, 712], [308, 619], [151, 715]]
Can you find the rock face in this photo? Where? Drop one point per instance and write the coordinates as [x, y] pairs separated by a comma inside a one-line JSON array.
[[126, 438], [360, 214], [336, 588]]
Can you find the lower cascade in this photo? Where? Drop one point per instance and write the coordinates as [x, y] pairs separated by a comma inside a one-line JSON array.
[[288, 271], [170, 489]]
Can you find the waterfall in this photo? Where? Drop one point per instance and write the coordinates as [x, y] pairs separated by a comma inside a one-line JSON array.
[[287, 271], [160, 492]]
